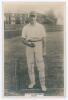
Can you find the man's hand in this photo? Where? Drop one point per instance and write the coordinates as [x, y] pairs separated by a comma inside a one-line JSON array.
[[30, 44]]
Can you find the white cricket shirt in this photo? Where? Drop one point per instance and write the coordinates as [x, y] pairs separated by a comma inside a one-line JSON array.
[[33, 31]]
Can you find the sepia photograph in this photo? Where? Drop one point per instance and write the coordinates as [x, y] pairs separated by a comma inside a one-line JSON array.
[[34, 41]]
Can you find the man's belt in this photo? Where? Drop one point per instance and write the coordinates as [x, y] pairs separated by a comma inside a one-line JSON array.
[[35, 40]]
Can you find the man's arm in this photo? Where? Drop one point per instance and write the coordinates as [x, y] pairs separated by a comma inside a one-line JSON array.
[[44, 47], [24, 41]]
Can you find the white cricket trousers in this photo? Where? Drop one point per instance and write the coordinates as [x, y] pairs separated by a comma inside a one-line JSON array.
[[37, 51]]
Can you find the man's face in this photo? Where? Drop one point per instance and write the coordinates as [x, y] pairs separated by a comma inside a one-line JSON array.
[[32, 19]]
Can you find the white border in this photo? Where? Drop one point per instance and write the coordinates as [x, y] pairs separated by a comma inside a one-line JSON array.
[[37, 0], [1, 49]]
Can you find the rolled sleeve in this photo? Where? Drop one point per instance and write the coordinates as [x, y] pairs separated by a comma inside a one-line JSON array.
[[43, 32], [24, 33]]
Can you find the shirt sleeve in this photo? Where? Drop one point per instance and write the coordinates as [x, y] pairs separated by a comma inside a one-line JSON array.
[[24, 33], [43, 32]]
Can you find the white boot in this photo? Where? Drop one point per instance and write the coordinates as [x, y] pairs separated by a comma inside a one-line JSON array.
[[31, 85], [44, 88]]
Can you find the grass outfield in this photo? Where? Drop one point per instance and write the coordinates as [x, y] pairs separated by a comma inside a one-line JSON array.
[[15, 58]]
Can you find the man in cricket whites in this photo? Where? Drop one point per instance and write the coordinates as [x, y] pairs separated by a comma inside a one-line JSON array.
[[33, 36]]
